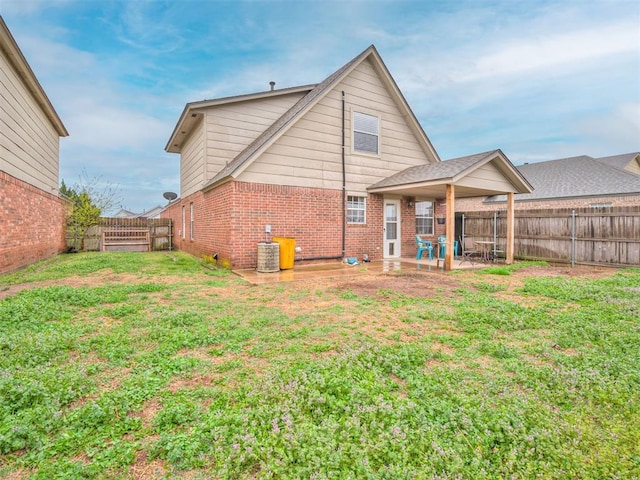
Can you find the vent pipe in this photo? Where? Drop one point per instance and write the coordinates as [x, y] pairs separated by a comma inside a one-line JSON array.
[[272, 84]]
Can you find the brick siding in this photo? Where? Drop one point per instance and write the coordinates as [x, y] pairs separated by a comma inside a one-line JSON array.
[[230, 220], [31, 224]]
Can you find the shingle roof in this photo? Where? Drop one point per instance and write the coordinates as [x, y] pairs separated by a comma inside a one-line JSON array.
[[435, 171], [619, 161], [581, 176]]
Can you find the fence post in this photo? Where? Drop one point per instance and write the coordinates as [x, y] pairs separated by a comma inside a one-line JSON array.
[[573, 238], [463, 234], [495, 232]]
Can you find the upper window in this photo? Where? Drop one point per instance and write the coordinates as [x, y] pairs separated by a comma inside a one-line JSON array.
[[366, 135], [424, 218], [356, 208]]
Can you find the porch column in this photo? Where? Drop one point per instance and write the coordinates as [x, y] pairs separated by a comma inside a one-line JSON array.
[[450, 227], [511, 225]]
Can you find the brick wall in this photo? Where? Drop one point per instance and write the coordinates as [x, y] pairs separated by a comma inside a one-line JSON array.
[[31, 224], [230, 220]]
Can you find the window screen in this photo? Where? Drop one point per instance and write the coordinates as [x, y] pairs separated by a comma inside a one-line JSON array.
[[356, 208], [424, 218], [365, 133]]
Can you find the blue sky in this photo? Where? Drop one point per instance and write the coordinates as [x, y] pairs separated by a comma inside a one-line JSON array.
[[538, 79]]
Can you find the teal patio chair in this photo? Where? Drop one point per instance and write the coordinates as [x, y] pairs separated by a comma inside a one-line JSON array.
[[442, 241], [424, 246]]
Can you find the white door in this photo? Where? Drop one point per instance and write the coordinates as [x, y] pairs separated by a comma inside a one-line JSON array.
[[391, 229]]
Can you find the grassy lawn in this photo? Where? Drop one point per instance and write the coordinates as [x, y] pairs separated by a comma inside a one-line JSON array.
[[151, 366]]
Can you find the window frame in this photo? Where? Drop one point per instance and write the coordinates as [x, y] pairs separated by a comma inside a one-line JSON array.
[[354, 150], [191, 222], [183, 233], [425, 217], [350, 220]]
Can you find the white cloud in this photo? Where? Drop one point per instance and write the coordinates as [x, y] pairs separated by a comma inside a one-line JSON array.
[[617, 130], [23, 7], [552, 52]]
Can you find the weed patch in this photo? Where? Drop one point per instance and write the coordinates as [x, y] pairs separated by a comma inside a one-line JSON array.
[[184, 370]]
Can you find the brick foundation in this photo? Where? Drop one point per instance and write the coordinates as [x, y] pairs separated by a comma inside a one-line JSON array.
[[230, 221], [31, 224]]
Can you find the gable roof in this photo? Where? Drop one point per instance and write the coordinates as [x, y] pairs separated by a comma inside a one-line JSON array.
[[314, 95], [193, 110], [626, 161], [581, 176], [19, 63], [431, 179]]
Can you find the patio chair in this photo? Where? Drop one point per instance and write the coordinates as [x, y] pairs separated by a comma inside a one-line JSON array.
[[424, 246], [442, 241], [468, 250], [498, 255]]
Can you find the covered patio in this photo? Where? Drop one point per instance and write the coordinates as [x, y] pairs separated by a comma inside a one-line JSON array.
[[488, 173]]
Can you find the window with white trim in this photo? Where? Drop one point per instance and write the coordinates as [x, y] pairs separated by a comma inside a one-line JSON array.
[[191, 233], [424, 218], [366, 133], [356, 209], [184, 223]]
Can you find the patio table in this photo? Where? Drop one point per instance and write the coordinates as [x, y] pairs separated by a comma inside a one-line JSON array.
[[485, 248]]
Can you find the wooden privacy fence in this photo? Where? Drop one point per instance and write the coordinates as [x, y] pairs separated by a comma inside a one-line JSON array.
[[156, 232], [588, 236]]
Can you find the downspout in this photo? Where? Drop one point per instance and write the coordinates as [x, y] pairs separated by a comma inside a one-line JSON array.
[[344, 183], [344, 196]]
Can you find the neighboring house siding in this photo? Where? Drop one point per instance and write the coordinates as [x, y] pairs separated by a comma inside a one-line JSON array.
[[309, 154], [32, 226], [192, 162], [29, 143], [634, 167]]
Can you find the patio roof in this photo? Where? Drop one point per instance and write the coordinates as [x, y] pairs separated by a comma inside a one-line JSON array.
[[487, 173]]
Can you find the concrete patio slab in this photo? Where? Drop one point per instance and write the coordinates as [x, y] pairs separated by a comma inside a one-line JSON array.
[[340, 269]]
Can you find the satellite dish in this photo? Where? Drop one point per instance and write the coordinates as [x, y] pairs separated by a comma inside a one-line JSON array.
[[171, 196]]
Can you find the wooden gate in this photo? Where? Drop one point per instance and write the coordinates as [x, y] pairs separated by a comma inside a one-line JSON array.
[[147, 234]]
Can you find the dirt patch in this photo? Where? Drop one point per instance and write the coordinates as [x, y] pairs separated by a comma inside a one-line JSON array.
[[427, 285], [146, 469]]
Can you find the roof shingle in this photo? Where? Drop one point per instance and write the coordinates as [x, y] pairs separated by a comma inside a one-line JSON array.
[[581, 176]]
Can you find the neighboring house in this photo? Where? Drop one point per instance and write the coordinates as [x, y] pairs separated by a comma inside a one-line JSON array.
[[151, 213], [123, 213], [32, 216], [575, 182], [342, 166], [154, 212]]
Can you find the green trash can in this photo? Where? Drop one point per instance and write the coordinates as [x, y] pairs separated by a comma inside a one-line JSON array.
[[287, 251]]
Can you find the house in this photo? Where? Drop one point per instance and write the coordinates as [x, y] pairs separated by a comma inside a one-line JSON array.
[[151, 213], [575, 182], [32, 215], [154, 212], [123, 213], [342, 166]]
